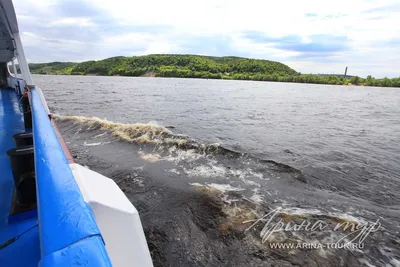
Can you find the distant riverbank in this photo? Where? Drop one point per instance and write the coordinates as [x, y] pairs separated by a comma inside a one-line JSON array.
[[194, 66]]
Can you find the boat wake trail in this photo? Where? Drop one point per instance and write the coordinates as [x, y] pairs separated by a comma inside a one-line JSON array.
[[207, 205]]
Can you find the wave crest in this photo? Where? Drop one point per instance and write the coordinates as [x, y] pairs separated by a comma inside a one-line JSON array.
[[143, 133], [160, 136]]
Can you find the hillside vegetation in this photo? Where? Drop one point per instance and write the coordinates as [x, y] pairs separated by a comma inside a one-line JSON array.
[[194, 66], [52, 67], [189, 66]]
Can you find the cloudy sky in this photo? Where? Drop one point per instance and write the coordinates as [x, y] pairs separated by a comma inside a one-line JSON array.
[[311, 36]]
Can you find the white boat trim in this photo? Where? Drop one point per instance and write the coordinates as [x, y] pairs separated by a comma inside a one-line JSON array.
[[116, 217]]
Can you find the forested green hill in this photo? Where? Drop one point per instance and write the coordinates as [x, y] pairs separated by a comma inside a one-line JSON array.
[[170, 66], [183, 66], [51, 68], [194, 66]]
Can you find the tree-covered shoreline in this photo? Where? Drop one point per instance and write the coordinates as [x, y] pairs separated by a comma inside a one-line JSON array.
[[194, 66]]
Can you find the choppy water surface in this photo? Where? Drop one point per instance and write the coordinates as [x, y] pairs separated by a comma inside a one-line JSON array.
[[202, 160]]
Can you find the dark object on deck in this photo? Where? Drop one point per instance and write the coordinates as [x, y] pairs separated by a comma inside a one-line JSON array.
[[23, 139], [26, 189], [345, 73], [27, 112], [21, 160]]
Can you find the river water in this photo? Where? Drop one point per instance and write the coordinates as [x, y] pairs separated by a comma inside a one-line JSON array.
[[202, 160]]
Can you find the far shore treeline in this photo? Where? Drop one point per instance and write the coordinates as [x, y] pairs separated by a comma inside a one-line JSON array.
[[193, 66]]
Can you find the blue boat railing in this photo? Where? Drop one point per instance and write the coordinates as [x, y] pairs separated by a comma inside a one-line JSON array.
[[68, 231]]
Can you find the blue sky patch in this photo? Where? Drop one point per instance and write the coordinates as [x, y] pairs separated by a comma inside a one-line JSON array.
[[311, 15], [319, 43]]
